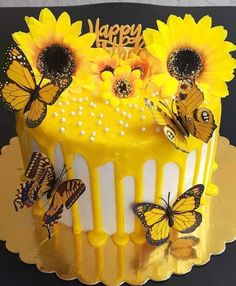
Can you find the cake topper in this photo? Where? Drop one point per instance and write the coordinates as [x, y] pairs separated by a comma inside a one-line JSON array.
[[188, 117], [182, 216], [42, 182], [117, 37], [21, 92]]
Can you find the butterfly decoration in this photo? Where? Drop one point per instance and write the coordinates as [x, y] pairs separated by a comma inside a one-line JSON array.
[[21, 92], [182, 216], [41, 181], [185, 116]]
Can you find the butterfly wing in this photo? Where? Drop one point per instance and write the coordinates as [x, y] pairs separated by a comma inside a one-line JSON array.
[[165, 117], [185, 218], [183, 247], [37, 113], [198, 121], [50, 92], [66, 194], [16, 92], [154, 218]]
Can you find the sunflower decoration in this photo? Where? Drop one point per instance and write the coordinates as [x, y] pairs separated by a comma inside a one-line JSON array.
[[190, 50], [56, 48], [122, 86]]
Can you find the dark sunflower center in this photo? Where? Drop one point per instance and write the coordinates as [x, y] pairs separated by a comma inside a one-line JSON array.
[[122, 88], [184, 63], [56, 61], [107, 68]]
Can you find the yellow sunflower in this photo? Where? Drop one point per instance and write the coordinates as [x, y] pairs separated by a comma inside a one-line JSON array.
[[57, 48], [122, 86], [191, 50]]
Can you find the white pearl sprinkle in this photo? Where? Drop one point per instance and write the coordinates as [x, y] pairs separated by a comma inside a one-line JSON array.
[[55, 114], [79, 123], [86, 98], [106, 129], [124, 113], [80, 112], [63, 119], [143, 117], [126, 125], [142, 109], [62, 110], [74, 98], [80, 108], [121, 122], [107, 101], [158, 129], [130, 104], [82, 132], [62, 129], [91, 138], [72, 113], [59, 103], [67, 103], [122, 133], [93, 133], [80, 99], [92, 113], [92, 104], [135, 105], [99, 122], [101, 115], [143, 128], [129, 115], [117, 109]]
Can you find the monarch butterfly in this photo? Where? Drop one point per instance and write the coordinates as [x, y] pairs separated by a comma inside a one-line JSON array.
[[188, 117], [181, 216], [21, 92], [42, 181], [183, 247]]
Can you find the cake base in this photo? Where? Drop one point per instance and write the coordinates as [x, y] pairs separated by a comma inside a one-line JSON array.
[[70, 256]]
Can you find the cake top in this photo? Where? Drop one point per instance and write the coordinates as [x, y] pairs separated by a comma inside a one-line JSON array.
[[117, 85]]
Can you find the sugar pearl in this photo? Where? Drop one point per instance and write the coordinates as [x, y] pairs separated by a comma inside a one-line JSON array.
[[117, 109], [143, 129], [126, 125], [92, 113], [62, 110], [107, 101], [67, 103], [130, 104], [86, 98], [74, 98], [91, 138], [93, 133], [63, 119], [101, 115], [106, 129], [55, 114], [142, 109], [135, 105], [82, 132], [80, 112], [79, 123], [143, 117], [122, 133], [59, 103], [62, 129], [129, 115], [72, 113], [124, 113], [99, 122], [80, 99], [121, 122], [80, 108]]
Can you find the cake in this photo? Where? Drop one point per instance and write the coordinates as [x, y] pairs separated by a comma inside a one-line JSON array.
[[100, 127]]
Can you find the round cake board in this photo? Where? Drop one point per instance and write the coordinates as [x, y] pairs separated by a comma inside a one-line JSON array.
[[70, 256]]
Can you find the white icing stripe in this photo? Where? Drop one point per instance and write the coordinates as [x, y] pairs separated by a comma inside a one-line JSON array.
[[149, 180], [108, 200], [209, 163], [81, 171], [190, 167], [170, 181], [202, 164], [129, 191]]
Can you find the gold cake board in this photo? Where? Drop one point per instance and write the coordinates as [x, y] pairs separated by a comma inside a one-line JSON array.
[[72, 257]]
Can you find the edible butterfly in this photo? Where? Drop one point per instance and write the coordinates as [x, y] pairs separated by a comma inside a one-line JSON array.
[[21, 92], [42, 181], [184, 117], [182, 216]]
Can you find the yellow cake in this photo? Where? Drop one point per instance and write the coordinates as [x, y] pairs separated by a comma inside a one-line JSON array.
[[115, 146]]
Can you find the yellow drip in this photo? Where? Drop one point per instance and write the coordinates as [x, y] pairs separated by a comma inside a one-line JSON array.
[[97, 236]]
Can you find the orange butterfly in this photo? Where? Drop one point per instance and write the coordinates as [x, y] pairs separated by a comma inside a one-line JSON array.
[[21, 92]]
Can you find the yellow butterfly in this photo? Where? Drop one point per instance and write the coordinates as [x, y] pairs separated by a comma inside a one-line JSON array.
[[182, 216], [21, 92], [184, 117]]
